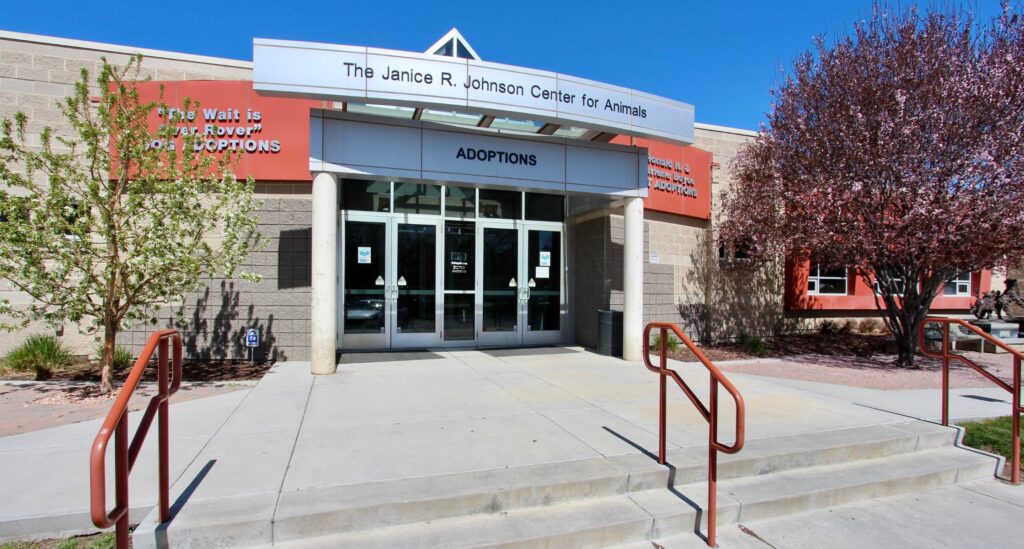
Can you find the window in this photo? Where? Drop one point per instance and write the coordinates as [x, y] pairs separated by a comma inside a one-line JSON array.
[[824, 281], [545, 207], [959, 285], [733, 254], [459, 202], [501, 204], [366, 196], [417, 198], [899, 287]]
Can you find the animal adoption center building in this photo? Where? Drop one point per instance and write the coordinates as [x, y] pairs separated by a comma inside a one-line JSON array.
[[434, 200]]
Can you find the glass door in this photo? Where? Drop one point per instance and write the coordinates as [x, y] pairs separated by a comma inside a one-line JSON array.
[[414, 283], [543, 297], [522, 296], [365, 295], [499, 318]]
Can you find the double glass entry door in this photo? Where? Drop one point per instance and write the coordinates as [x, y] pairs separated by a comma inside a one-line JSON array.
[[410, 281]]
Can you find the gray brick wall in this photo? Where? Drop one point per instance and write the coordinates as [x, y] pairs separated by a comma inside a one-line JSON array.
[[216, 317]]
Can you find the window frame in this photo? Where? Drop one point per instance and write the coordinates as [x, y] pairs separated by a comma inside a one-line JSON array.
[[956, 283], [814, 278]]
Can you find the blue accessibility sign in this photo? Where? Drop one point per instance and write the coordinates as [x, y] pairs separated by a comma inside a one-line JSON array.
[[252, 337]]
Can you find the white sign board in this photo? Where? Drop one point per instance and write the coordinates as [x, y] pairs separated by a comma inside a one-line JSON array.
[[363, 254], [418, 79], [545, 259]]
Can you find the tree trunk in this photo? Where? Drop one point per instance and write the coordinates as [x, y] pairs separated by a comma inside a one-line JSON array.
[[109, 343], [906, 345]]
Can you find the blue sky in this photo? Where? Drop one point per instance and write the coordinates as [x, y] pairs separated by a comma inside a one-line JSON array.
[[723, 57]]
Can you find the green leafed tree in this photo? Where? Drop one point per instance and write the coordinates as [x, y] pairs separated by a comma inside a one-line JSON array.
[[102, 229]]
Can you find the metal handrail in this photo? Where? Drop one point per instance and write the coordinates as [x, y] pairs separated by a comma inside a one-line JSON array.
[[125, 454], [709, 412], [1013, 389]]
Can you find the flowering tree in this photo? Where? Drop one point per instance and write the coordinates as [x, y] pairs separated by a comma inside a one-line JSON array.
[[897, 151], [99, 227]]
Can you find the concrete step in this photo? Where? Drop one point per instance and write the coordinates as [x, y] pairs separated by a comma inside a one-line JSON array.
[[598, 522], [635, 519], [313, 513]]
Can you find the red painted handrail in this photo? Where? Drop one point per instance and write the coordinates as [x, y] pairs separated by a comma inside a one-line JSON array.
[[709, 412], [1013, 389], [116, 425]]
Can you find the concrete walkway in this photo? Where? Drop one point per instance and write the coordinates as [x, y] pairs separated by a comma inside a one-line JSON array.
[[409, 415]]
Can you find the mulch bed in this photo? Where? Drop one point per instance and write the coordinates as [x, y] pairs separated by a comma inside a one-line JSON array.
[[82, 369], [859, 345]]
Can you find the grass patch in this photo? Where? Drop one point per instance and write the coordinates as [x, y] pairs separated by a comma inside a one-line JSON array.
[[93, 541], [991, 435]]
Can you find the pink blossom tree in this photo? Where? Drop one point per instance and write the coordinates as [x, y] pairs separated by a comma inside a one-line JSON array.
[[896, 151]]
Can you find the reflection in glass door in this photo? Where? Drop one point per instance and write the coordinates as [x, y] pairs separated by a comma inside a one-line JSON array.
[[459, 264], [364, 301], [543, 266], [414, 280], [501, 287]]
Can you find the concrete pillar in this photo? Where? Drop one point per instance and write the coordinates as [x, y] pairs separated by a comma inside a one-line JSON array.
[[324, 305], [633, 280]]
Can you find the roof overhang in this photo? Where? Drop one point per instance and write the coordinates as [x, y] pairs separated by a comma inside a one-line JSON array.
[[352, 73]]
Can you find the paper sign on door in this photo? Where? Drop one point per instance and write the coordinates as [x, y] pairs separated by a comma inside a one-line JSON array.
[[363, 254], [545, 259], [543, 272]]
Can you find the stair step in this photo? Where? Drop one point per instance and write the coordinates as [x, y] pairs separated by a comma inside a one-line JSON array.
[[814, 488], [598, 522], [312, 513], [633, 519]]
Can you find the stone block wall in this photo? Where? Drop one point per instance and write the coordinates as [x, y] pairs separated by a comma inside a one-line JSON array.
[[214, 319]]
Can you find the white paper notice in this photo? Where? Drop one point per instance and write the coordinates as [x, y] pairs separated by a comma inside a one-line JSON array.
[[543, 272], [545, 259], [363, 253]]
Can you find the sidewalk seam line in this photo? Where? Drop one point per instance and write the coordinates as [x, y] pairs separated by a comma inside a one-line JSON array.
[[291, 455]]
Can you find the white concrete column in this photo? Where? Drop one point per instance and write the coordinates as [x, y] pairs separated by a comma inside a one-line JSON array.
[[324, 306], [633, 280]]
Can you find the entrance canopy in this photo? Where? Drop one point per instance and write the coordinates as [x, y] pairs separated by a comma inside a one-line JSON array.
[[430, 81]]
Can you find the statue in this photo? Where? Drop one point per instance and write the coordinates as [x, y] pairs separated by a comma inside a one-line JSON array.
[[997, 302], [985, 305]]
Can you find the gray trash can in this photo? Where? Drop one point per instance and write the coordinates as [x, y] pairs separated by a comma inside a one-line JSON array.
[[609, 332]]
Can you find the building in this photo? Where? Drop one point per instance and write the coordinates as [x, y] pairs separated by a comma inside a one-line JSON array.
[[420, 200]]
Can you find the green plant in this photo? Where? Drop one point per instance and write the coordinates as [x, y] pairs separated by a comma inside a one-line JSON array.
[[106, 541], [123, 357], [991, 435], [71, 543], [671, 344], [39, 353], [753, 345]]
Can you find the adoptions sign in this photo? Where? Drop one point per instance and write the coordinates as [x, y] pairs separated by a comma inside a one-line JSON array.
[[423, 80], [678, 178]]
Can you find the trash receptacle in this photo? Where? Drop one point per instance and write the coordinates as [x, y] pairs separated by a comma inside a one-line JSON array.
[[609, 332]]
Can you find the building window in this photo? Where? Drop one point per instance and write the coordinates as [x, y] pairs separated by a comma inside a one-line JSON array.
[[545, 207], [899, 287], [959, 285], [824, 281]]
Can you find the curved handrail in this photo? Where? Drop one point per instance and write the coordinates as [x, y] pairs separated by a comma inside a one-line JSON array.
[[716, 375], [1013, 389], [116, 425], [709, 412]]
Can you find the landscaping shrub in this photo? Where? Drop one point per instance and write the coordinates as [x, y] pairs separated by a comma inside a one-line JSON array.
[[753, 345], [846, 327], [123, 357], [828, 327], [672, 344], [869, 326], [41, 354]]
